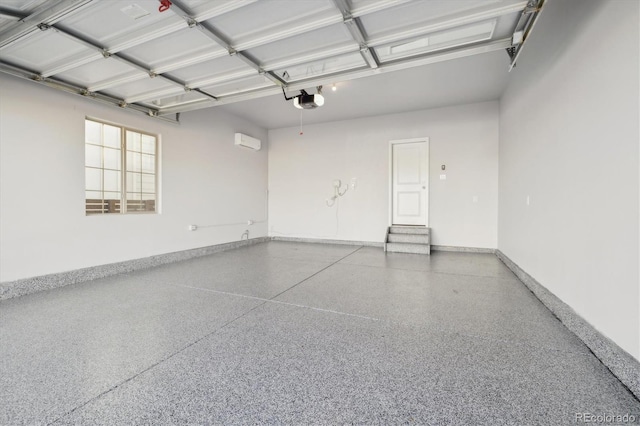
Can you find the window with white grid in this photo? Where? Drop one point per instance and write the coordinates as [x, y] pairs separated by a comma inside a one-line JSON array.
[[120, 169]]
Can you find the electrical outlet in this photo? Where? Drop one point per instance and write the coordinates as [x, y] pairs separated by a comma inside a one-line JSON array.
[[192, 227], [354, 183]]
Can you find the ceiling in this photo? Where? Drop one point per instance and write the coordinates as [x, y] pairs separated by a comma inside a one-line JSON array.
[[163, 58], [461, 81]]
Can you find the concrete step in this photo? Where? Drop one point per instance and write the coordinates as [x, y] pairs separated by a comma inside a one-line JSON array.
[[409, 230], [408, 248], [409, 238]]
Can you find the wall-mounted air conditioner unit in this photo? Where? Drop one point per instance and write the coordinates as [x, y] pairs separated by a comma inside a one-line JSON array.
[[247, 141]]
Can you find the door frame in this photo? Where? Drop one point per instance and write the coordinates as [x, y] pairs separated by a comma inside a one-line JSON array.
[[403, 141]]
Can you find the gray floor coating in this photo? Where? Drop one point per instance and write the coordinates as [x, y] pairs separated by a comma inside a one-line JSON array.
[[294, 333]]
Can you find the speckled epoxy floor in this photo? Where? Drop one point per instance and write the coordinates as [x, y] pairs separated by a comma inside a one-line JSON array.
[[293, 333]]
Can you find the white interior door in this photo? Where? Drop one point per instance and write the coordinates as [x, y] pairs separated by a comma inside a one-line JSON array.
[[410, 182]]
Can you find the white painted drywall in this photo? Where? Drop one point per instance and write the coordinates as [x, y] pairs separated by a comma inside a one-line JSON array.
[[569, 140], [205, 180], [302, 169]]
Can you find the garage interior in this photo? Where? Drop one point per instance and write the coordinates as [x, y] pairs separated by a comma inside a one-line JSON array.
[[202, 217]]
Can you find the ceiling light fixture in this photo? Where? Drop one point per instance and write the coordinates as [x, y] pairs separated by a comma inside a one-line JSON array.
[[333, 87]]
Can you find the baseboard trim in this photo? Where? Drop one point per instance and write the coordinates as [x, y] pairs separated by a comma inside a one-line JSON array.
[[323, 241], [379, 244], [463, 249], [11, 289], [622, 364]]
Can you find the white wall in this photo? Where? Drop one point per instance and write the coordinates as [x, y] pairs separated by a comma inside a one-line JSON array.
[[302, 169], [205, 180], [569, 139]]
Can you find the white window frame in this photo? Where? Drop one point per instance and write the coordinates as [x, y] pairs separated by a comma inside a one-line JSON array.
[[124, 170]]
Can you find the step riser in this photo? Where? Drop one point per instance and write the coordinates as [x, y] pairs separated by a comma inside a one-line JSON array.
[[408, 230], [408, 248], [409, 238]]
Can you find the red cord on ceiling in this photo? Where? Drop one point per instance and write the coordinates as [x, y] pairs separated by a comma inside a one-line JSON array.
[[164, 5]]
